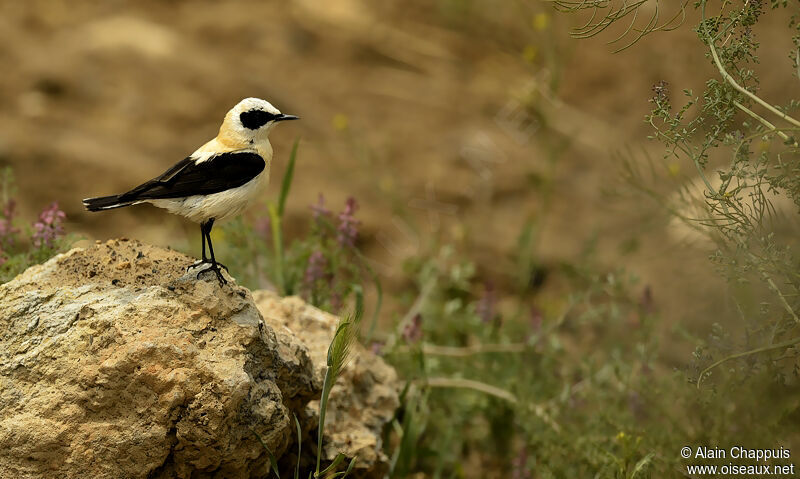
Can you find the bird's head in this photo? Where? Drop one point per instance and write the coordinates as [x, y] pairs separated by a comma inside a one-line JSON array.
[[251, 120]]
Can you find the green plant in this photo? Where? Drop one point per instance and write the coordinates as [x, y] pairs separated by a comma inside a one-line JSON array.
[[730, 118], [514, 381], [311, 260], [572, 381], [337, 359], [24, 245], [606, 13], [744, 151], [325, 267], [338, 356]]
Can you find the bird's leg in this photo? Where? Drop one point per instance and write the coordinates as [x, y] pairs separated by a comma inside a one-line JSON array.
[[203, 236], [204, 260], [213, 265], [210, 247]]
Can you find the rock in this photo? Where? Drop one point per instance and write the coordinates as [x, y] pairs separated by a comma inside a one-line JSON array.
[[115, 363], [362, 401]]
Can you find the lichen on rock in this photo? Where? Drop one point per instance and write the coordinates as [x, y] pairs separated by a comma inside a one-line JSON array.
[[116, 363]]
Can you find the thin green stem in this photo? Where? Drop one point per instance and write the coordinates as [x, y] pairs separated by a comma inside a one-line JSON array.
[[326, 390], [277, 245], [427, 289], [470, 384], [729, 79], [785, 344], [461, 352], [780, 296], [764, 122]]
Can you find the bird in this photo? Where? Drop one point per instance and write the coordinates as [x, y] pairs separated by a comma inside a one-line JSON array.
[[216, 182]]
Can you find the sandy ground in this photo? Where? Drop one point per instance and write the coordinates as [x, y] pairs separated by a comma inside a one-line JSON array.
[[413, 108]]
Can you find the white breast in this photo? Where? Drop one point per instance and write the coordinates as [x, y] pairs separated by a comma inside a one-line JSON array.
[[220, 206]]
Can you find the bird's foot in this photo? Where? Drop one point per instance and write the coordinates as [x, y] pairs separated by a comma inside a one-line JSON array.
[[197, 264], [215, 267]]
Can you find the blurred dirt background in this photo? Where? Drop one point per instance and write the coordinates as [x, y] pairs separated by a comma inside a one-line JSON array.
[[452, 119]]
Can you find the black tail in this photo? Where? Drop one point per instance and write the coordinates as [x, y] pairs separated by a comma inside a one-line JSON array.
[[105, 203]]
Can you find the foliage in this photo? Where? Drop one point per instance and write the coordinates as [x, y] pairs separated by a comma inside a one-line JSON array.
[[325, 267], [759, 263], [337, 358], [328, 253], [744, 150], [23, 245], [605, 13], [517, 386], [575, 383]]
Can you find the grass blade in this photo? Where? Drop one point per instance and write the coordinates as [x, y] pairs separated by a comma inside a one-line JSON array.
[[379, 300], [277, 245], [286, 184], [350, 467], [338, 354], [273, 463], [642, 465], [333, 465], [299, 446]]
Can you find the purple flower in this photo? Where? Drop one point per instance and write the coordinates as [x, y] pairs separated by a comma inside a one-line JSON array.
[[518, 465], [536, 319], [377, 348], [486, 304], [263, 227], [646, 301], [315, 269], [7, 229], [347, 232], [336, 302], [10, 209], [412, 332], [661, 91], [637, 405], [319, 209], [49, 227]]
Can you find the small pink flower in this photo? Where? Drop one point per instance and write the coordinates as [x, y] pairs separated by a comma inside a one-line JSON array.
[[319, 209], [519, 465], [412, 332], [7, 229], [263, 227], [49, 227], [336, 302], [486, 304], [315, 269], [646, 300], [536, 318], [347, 232]]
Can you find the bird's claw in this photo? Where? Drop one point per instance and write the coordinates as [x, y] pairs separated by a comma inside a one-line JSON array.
[[197, 264], [215, 267]]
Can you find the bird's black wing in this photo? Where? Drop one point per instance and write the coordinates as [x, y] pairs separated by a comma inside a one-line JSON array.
[[221, 172]]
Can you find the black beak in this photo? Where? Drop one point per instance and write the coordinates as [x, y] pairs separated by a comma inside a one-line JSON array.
[[283, 117]]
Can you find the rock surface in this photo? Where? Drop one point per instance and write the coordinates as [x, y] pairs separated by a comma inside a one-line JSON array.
[[114, 363]]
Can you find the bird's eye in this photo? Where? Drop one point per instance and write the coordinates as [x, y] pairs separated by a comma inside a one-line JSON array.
[[255, 119]]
